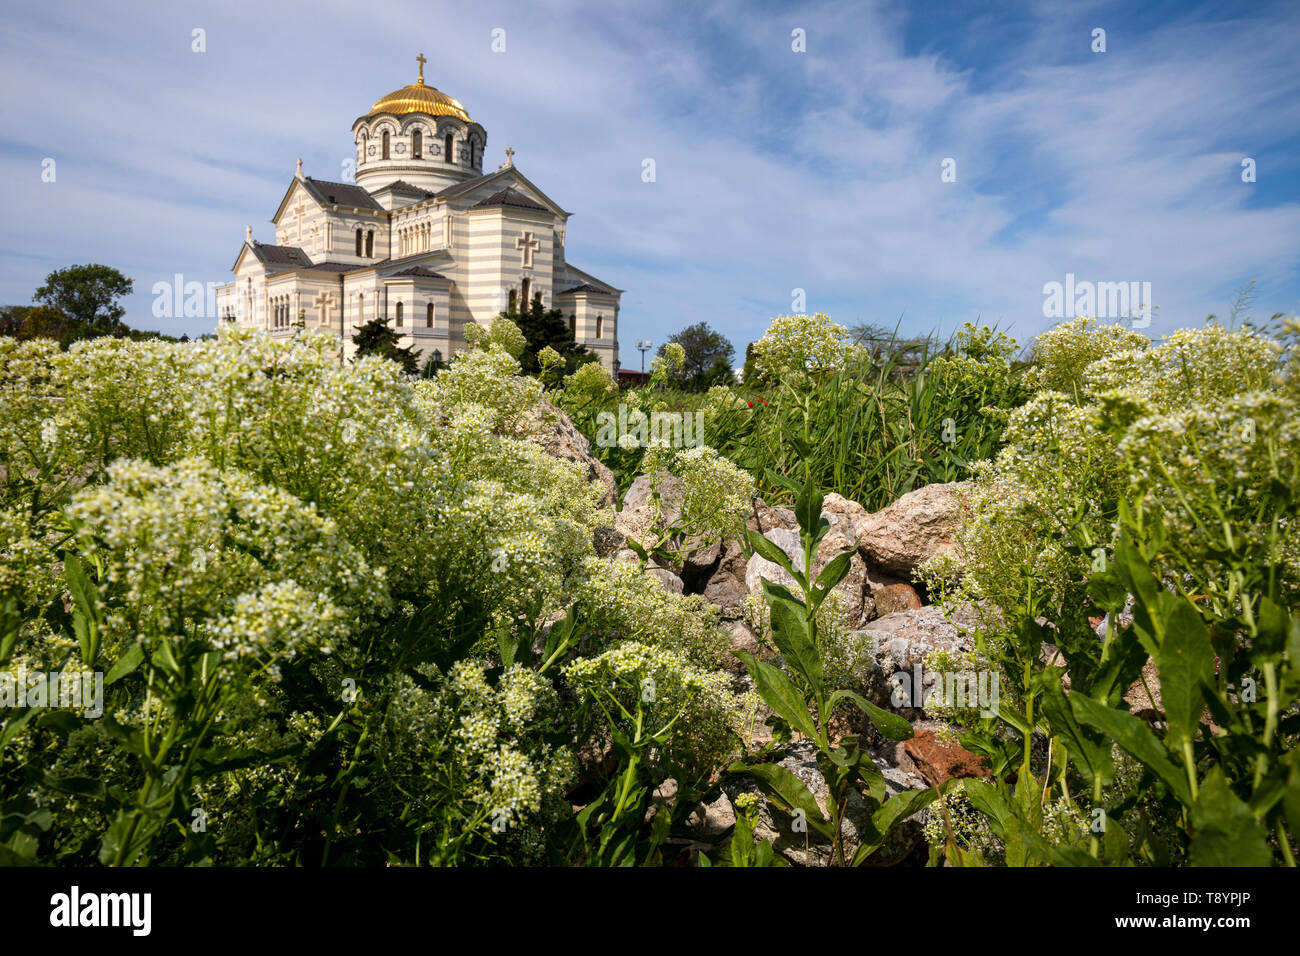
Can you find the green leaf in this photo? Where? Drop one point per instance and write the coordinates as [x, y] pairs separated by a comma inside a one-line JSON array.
[[1125, 658], [1136, 738], [1089, 749], [1115, 844], [808, 509], [986, 798], [891, 813], [790, 633], [164, 658], [1184, 659], [1226, 832], [892, 726], [10, 626], [772, 552], [124, 665], [85, 600], [15, 722], [780, 694], [833, 573], [779, 783]]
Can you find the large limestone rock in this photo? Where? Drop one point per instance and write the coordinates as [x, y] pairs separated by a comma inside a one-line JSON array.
[[913, 529], [901, 640], [560, 438]]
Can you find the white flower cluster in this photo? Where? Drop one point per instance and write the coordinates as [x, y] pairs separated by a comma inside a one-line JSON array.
[[188, 550], [1196, 429], [667, 686], [795, 345]]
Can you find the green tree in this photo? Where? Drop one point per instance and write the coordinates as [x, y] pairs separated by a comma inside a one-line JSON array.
[[87, 294], [544, 327], [707, 350], [886, 346], [376, 337]]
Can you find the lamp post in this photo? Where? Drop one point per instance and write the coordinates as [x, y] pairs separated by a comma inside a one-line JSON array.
[[644, 347]]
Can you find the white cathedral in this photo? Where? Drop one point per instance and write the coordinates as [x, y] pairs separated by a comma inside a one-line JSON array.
[[423, 238]]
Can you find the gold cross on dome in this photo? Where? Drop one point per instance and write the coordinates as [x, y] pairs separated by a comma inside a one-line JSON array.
[[421, 60]]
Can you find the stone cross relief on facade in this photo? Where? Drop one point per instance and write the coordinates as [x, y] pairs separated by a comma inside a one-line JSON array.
[[527, 244]]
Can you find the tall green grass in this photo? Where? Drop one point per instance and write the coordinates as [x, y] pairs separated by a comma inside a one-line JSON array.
[[870, 433]]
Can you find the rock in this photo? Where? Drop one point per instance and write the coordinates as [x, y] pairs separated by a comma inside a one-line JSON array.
[[560, 438], [1140, 702], [763, 518], [743, 638], [664, 795], [608, 541], [939, 761], [842, 536], [913, 529], [901, 640], [671, 582], [805, 846], [708, 821], [895, 598], [759, 568], [726, 585]]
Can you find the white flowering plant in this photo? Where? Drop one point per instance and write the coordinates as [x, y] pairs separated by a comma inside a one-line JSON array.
[[303, 582], [1138, 530]]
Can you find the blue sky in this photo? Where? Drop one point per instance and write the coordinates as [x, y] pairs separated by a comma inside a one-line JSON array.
[[775, 170]]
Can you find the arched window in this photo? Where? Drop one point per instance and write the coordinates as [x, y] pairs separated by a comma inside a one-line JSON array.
[[417, 144], [399, 315], [428, 315], [361, 308], [370, 244], [514, 299], [475, 153], [446, 149], [385, 153], [600, 326], [524, 300], [359, 240], [573, 325]]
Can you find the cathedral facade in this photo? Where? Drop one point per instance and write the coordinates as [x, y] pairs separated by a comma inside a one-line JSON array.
[[423, 238]]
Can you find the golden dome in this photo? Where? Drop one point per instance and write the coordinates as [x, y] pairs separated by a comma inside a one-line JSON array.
[[418, 98]]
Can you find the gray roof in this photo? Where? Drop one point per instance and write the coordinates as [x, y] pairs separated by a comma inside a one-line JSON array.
[[336, 267], [419, 271], [466, 186], [585, 287], [287, 256], [510, 197], [342, 194], [402, 186]]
